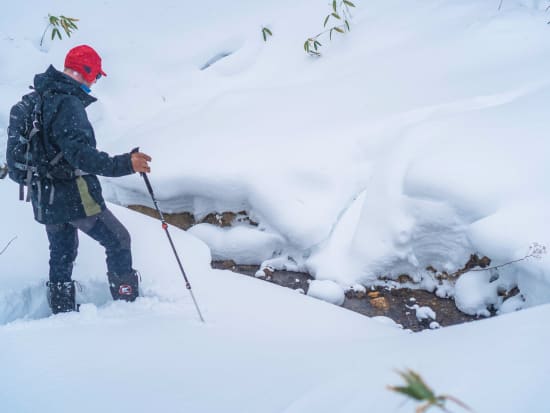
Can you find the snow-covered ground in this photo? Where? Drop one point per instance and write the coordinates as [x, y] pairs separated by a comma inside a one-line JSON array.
[[417, 139], [262, 349]]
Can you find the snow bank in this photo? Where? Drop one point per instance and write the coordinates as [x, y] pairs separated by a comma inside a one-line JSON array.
[[242, 244], [416, 140]]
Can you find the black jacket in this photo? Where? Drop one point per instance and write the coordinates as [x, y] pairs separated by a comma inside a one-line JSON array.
[[67, 130]]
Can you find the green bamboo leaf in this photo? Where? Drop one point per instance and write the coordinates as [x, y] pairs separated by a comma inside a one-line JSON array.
[[337, 16], [421, 391], [264, 36], [406, 391], [55, 32], [268, 31], [349, 3], [334, 5], [326, 21], [347, 25], [318, 43], [330, 33], [64, 26], [339, 30], [416, 387], [306, 46]]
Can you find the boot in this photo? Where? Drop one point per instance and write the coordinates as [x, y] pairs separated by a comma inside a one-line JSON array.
[[62, 296], [124, 287]]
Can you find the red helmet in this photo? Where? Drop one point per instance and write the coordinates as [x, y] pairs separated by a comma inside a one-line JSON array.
[[85, 61]]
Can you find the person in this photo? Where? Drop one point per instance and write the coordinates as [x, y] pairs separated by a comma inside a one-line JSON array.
[[65, 206]]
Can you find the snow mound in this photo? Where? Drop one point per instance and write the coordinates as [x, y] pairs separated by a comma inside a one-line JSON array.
[[326, 290], [475, 292]]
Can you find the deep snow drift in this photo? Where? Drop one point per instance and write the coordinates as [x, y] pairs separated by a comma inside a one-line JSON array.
[[263, 348], [417, 139]]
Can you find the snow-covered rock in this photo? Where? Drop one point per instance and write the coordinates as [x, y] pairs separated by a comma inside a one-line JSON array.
[[327, 290]]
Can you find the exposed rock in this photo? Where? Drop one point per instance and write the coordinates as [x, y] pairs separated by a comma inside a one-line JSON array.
[[380, 303], [225, 219], [242, 216], [183, 220], [472, 263], [475, 261], [226, 265], [508, 293], [356, 291], [404, 278], [359, 294], [265, 273], [431, 269], [186, 220]]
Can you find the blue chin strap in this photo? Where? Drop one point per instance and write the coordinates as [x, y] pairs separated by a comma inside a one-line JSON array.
[[85, 88]]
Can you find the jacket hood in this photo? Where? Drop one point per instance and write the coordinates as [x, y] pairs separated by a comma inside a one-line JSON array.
[[54, 81]]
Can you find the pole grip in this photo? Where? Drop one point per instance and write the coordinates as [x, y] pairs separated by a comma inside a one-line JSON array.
[[144, 175]]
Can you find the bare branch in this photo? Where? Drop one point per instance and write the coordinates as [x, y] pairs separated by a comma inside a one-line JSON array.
[[7, 245], [536, 250]]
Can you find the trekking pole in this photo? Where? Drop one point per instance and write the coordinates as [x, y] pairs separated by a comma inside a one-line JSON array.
[[165, 227]]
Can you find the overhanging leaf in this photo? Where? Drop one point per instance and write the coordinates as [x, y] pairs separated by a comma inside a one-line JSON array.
[[406, 391]]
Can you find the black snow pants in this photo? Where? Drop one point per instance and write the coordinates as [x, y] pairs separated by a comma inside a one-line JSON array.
[[104, 228]]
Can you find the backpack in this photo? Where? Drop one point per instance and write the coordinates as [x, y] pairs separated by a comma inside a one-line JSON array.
[[28, 156]]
